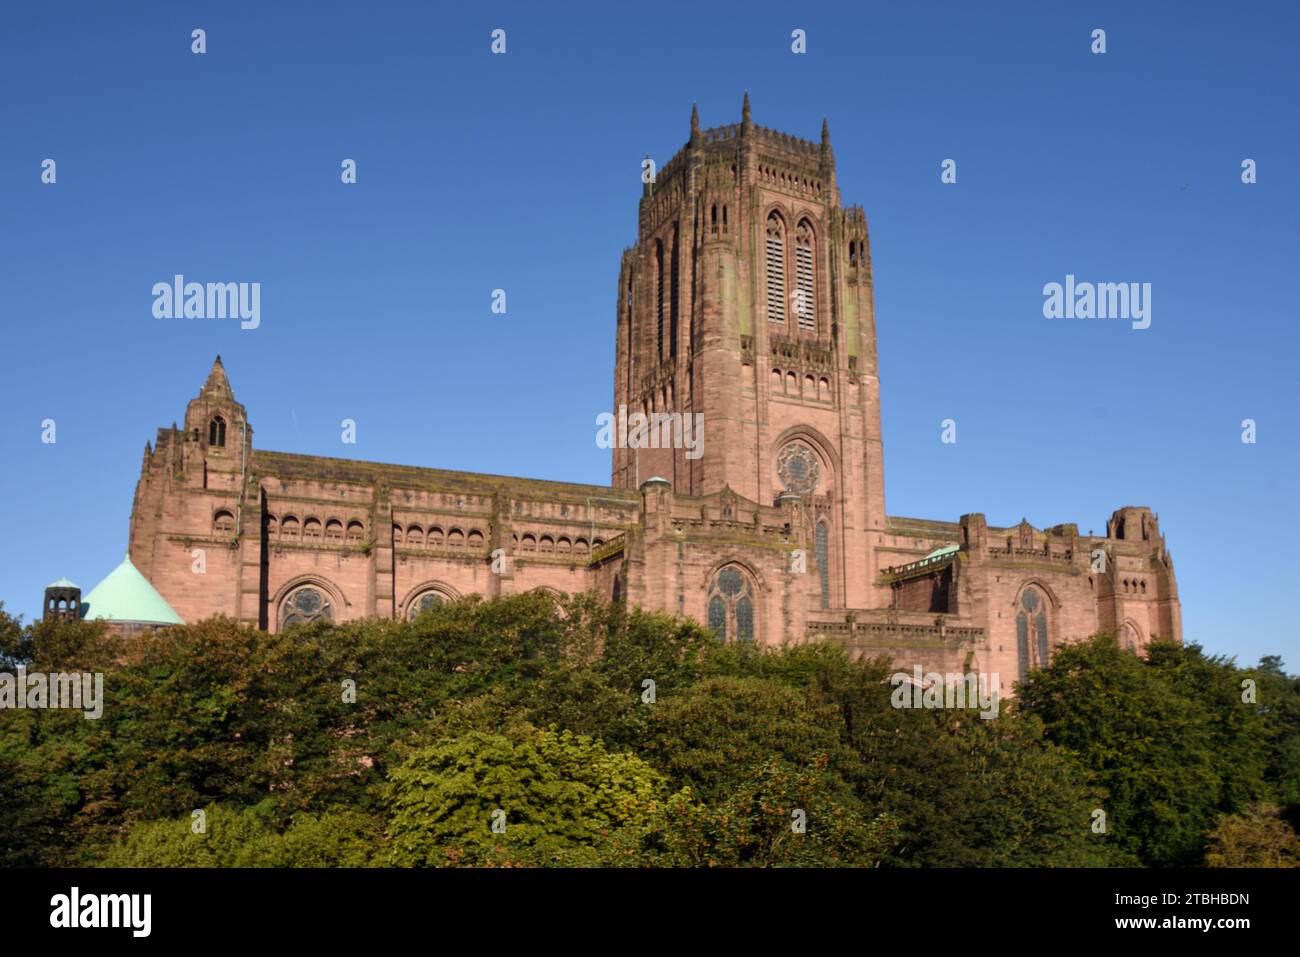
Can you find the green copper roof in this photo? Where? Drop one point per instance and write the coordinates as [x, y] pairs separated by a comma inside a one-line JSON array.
[[61, 583], [126, 595], [944, 550]]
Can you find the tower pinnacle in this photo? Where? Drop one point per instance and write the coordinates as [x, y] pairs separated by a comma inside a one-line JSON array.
[[217, 383]]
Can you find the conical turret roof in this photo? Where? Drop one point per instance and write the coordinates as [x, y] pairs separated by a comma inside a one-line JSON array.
[[127, 596]]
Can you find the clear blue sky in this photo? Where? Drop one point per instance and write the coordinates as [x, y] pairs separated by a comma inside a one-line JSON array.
[[522, 172]]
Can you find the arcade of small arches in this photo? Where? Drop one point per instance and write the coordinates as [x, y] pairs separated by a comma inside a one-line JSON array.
[[559, 546], [288, 528], [434, 536], [808, 386]]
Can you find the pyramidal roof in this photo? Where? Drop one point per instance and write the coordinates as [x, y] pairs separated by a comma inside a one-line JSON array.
[[218, 383], [126, 595], [61, 583]]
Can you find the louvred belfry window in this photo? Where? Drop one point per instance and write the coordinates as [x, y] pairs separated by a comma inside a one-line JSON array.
[[775, 269], [804, 303]]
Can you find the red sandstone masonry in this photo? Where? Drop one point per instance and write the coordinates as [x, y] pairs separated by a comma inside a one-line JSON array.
[[376, 538]]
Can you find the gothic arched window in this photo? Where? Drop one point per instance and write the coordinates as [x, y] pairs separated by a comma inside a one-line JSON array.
[[217, 432], [1031, 630], [423, 603], [672, 290], [805, 305], [306, 604], [822, 543], [659, 301], [775, 268], [731, 605]]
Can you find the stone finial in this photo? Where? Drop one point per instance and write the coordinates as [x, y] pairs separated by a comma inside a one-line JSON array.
[[745, 120], [695, 123]]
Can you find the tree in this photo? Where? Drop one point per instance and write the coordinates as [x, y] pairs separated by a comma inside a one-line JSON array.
[[532, 797], [1145, 738], [1259, 837]]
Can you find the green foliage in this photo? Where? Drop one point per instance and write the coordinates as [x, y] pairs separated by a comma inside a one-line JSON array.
[[555, 796], [1259, 837], [735, 750], [248, 837], [1168, 738]]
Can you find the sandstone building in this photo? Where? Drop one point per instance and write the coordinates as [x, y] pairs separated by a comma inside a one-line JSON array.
[[746, 299]]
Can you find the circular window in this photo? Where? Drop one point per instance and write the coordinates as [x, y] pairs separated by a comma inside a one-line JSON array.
[[305, 605], [798, 468]]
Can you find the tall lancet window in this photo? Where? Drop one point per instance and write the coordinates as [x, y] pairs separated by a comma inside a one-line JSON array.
[[659, 300], [1031, 631], [217, 432], [821, 541], [672, 302], [775, 268], [804, 302]]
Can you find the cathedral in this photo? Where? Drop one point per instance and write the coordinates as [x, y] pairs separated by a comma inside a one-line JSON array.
[[746, 304]]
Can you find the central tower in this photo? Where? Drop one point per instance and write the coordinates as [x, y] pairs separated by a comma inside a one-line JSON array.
[[748, 299]]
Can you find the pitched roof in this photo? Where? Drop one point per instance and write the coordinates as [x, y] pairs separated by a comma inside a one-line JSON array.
[[126, 595]]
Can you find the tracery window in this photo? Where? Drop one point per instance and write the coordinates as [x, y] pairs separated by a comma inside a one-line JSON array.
[[1031, 630], [775, 269], [822, 545], [804, 301], [306, 604], [731, 605], [217, 432], [423, 603], [798, 468]]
